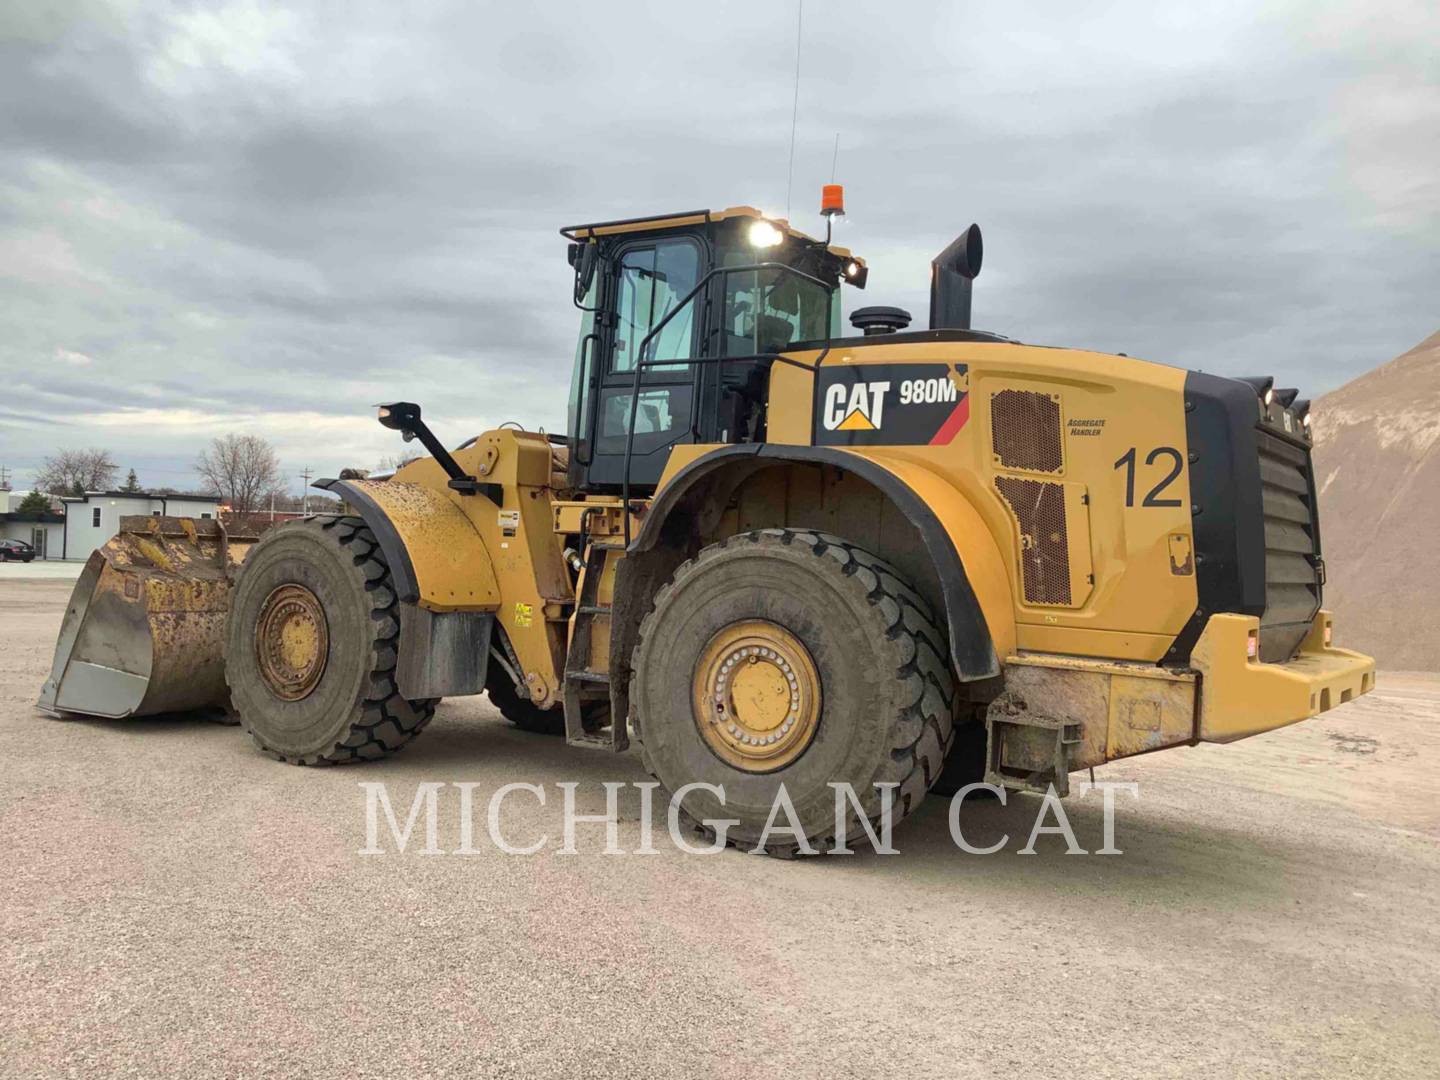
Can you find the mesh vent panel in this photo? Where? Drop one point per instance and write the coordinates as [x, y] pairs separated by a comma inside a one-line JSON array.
[[1045, 546], [1025, 430]]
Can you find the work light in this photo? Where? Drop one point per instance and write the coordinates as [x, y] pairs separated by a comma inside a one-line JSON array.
[[763, 235]]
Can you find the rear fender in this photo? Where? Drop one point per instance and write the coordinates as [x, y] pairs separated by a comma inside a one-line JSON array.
[[978, 608]]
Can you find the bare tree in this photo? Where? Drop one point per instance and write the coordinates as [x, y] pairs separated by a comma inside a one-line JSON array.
[[391, 462], [74, 472], [244, 469]]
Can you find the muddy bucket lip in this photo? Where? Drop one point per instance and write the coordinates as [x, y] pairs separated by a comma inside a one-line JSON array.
[[76, 609], [182, 528], [143, 629]]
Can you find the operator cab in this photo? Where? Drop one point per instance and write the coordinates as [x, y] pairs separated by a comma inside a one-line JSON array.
[[692, 309]]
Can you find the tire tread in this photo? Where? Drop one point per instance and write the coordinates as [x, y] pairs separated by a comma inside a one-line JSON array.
[[922, 734], [383, 721]]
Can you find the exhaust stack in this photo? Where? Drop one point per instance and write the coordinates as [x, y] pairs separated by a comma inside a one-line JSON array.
[[951, 273]]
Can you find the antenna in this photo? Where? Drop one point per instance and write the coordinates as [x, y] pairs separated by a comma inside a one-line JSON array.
[[795, 106], [835, 157]]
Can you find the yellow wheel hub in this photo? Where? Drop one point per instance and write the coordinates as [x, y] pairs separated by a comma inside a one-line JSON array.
[[756, 696], [292, 641]]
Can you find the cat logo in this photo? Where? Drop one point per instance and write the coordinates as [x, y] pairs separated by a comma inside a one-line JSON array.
[[917, 404], [855, 408]]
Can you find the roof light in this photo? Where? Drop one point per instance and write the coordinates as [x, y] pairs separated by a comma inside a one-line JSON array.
[[763, 235], [1269, 397], [852, 269]]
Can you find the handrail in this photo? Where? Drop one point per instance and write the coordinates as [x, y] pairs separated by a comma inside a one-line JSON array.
[[569, 231], [642, 363], [582, 395]]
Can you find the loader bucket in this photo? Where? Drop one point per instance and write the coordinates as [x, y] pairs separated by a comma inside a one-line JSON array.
[[144, 632]]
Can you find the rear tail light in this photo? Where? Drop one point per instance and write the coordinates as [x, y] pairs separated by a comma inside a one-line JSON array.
[[1329, 632], [1252, 645]]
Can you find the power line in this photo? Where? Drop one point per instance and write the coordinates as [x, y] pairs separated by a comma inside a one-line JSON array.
[[795, 106]]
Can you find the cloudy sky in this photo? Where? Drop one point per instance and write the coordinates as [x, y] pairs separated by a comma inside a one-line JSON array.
[[243, 216]]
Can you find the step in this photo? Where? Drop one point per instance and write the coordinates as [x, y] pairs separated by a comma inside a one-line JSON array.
[[587, 676], [592, 742], [594, 609]]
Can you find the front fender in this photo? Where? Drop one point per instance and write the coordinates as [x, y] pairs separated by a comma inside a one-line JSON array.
[[437, 559]]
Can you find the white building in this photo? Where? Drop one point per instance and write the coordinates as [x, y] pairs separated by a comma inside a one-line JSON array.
[[93, 518], [45, 531]]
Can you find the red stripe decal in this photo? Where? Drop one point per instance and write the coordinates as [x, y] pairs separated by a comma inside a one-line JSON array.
[[953, 423]]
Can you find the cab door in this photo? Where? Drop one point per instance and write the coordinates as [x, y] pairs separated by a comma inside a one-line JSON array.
[[649, 280]]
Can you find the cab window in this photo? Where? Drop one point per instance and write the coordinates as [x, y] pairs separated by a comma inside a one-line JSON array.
[[766, 310], [651, 283]]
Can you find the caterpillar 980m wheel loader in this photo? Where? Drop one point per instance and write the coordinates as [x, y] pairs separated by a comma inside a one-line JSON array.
[[775, 553]]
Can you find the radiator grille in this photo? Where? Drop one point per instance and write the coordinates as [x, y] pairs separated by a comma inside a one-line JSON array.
[[1025, 430], [1292, 570], [1044, 543]]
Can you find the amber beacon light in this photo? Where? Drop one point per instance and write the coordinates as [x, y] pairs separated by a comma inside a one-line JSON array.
[[832, 200]]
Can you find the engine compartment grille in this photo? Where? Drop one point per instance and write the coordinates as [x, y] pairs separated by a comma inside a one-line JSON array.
[[1025, 430], [1039, 508], [1293, 570]]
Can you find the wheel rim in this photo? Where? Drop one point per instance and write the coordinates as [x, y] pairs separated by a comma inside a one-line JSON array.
[[756, 696], [292, 642]]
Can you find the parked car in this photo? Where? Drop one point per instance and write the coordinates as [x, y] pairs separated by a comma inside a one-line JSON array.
[[16, 551]]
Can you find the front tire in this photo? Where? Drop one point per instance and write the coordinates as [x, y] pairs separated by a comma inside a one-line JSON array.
[[312, 641], [831, 668]]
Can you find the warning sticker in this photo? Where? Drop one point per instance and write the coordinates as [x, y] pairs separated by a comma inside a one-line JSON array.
[[524, 614]]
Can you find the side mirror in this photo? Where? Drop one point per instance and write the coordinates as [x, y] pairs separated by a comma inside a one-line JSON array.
[[585, 261]]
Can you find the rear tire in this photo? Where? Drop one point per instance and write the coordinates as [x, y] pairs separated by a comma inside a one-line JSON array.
[[353, 710], [523, 713], [526, 715], [965, 763], [886, 690]]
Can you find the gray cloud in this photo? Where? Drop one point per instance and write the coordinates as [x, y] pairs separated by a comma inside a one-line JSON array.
[[248, 214]]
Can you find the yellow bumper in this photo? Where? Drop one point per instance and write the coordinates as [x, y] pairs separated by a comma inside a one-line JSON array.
[[1241, 697]]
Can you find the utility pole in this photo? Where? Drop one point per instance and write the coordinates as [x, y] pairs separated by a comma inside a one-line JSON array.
[[305, 491]]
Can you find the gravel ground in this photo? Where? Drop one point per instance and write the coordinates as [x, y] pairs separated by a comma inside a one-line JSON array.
[[171, 902]]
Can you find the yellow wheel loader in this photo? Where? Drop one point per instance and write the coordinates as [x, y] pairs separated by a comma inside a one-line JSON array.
[[772, 552]]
